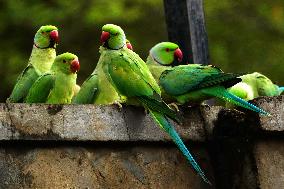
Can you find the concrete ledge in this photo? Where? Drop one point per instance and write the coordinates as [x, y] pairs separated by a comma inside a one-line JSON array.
[[87, 122], [275, 105], [109, 123], [239, 148]]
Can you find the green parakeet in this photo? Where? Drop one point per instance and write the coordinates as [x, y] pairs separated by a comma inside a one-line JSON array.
[[130, 76], [261, 85], [56, 86], [41, 59], [254, 85], [193, 82], [97, 89]]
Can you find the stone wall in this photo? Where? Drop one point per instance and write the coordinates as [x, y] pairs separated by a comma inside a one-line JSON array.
[[86, 146]]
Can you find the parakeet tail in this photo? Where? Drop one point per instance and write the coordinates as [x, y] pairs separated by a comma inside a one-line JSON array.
[[240, 102], [166, 125], [281, 89], [160, 106]]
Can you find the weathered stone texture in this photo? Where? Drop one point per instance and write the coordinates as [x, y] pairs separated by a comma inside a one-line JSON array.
[[100, 167], [107, 147], [275, 105], [269, 156], [89, 122]]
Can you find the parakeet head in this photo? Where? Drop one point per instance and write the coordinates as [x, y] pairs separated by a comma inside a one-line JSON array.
[[67, 63], [113, 36], [165, 53], [46, 37], [128, 45]]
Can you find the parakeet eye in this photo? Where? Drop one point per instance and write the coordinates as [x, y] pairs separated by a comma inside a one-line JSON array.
[[64, 61], [167, 49]]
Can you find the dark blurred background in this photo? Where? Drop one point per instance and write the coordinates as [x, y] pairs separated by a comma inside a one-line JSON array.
[[244, 36]]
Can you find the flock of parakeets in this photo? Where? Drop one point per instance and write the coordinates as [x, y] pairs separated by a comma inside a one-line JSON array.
[[121, 76]]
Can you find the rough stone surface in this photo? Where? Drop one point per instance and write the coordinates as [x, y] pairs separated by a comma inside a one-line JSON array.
[[269, 156], [275, 106], [87, 146], [99, 167], [89, 122], [109, 123]]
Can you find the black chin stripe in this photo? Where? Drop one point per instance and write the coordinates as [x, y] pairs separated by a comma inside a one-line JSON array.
[[108, 47], [51, 45], [157, 61]]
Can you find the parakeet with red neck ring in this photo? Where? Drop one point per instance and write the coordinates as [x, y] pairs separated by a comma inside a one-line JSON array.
[[41, 59], [131, 78], [193, 82]]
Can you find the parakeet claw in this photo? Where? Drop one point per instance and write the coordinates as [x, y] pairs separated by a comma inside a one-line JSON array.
[[118, 104], [174, 106]]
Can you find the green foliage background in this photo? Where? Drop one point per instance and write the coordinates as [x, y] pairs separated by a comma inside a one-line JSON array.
[[244, 36]]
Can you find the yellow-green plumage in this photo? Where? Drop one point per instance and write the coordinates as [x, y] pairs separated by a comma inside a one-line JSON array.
[[254, 85], [39, 63], [261, 85], [56, 86], [97, 89]]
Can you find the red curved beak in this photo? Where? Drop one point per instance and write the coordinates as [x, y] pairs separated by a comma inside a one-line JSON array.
[[105, 36], [75, 66], [129, 46], [54, 36], [178, 54]]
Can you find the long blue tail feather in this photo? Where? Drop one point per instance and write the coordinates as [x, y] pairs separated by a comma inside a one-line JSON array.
[[227, 96], [240, 102], [166, 125]]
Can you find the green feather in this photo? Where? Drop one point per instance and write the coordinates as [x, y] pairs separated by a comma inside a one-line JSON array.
[[57, 86], [193, 82], [39, 63], [41, 89], [88, 91], [97, 89]]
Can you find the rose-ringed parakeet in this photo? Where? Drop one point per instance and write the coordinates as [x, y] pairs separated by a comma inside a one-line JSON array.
[[254, 85], [41, 59], [97, 89], [57, 85], [193, 82], [261, 85], [130, 76]]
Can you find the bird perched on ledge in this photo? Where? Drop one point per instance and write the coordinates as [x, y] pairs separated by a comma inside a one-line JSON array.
[[254, 85], [193, 82], [131, 78], [41, 59], [57, 85]]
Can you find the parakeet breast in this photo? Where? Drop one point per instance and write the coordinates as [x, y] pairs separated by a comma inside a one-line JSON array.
[[63, 89], [42, 59], [106, 92]]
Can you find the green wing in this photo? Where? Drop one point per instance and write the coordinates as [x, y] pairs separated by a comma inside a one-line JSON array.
[[185, 78], [88, 90], [41, 88], [131, 76], [24, 83]]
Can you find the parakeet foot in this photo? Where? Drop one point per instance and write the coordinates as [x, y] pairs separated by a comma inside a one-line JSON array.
[[118, 104], [174, 106]]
